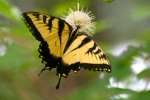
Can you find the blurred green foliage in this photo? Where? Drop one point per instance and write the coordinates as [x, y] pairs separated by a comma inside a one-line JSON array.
[[109, 1], [19, 62]]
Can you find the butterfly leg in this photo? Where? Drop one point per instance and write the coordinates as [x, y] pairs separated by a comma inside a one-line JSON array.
[[58, 84], [43, 69]]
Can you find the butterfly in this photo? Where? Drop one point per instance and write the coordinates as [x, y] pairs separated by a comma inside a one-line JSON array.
[[64, 48]]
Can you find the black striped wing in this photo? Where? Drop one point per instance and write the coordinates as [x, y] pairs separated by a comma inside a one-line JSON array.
[[53, 34], [54, 31], [84, 52]]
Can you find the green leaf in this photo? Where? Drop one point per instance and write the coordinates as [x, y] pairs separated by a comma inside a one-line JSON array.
[[96, 90], [101, 26], [15, 23], [63, 9], [9, 11], [16, 57], [121, 65], [115, 91], [108, 1], [144, 74], [141, 12], [144, 95]]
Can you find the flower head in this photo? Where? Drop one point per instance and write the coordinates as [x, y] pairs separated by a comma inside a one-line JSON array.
[[81, 19]]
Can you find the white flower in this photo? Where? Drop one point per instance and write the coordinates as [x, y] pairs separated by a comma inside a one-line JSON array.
[[81, 19]]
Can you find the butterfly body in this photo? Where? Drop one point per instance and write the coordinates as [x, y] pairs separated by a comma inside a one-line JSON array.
[[63, 47]]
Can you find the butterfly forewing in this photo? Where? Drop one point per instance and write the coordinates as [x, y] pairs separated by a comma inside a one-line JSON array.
[[50, 29]]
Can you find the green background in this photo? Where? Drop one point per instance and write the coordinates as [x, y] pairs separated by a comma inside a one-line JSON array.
[[122, 30]]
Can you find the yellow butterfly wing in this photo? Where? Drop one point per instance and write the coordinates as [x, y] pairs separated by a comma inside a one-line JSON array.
[[54, 31], [85, 53]]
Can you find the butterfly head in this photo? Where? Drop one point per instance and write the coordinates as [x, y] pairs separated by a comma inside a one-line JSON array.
[[81, 19]]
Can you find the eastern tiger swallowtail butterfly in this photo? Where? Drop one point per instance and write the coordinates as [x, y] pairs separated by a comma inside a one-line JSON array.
[[63, 47]]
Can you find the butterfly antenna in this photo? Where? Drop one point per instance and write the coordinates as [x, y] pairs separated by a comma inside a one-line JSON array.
[[57, 86]]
